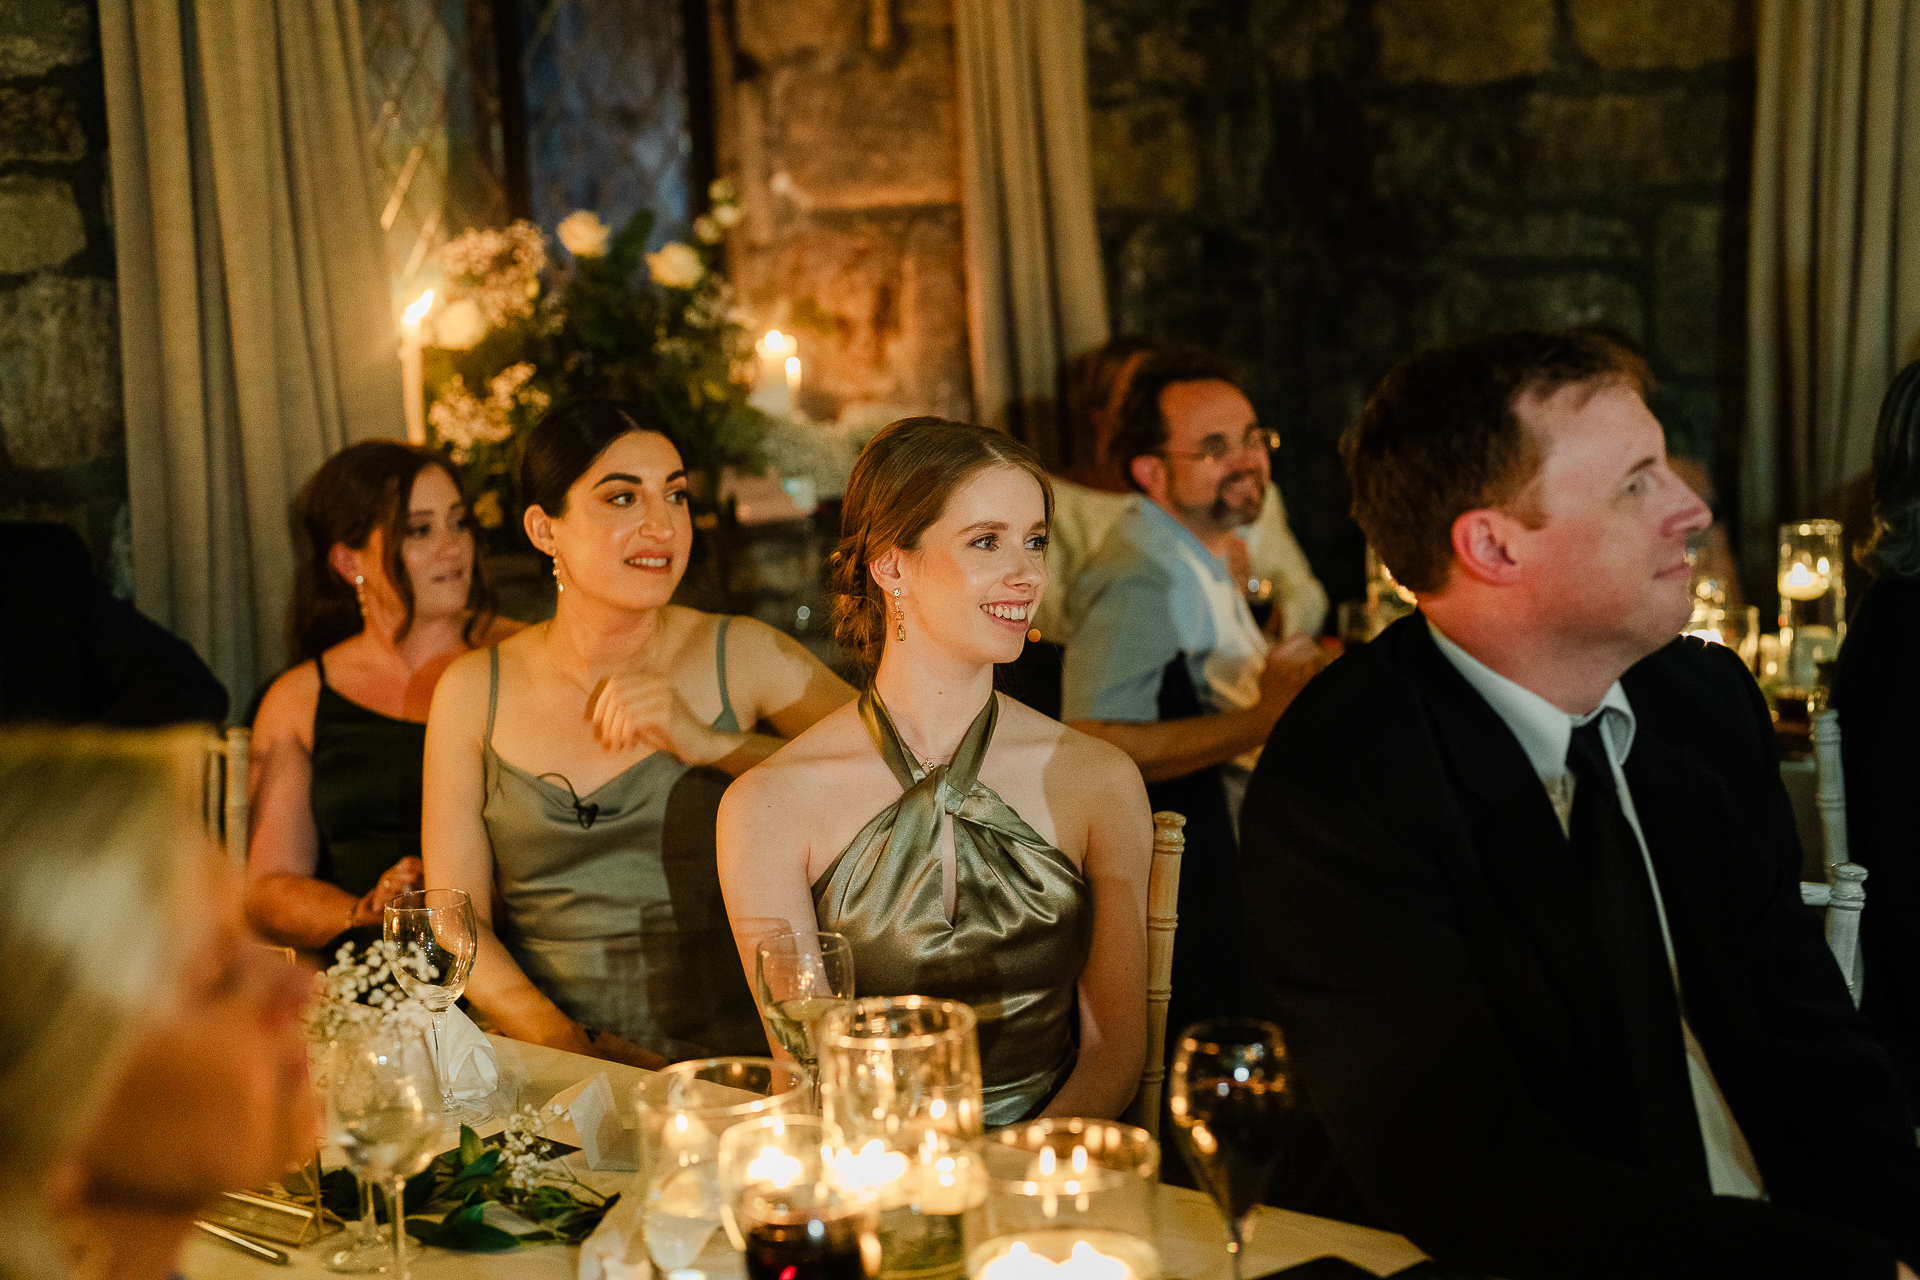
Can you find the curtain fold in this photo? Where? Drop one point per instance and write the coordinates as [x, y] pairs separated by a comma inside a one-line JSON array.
[[1834, 268], [256, 326], [1036, 296]]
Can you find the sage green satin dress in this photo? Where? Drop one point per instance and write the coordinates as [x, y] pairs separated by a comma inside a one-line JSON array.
[[1022, 915]]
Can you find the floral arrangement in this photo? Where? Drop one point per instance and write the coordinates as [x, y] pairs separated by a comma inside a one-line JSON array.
[[363, 986], [524, 328]]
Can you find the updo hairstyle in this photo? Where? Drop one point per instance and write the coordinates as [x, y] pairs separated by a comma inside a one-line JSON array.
[[363, 487], [899, 486], [564, 443]]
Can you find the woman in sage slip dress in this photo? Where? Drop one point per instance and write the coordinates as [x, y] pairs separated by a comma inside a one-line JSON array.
[[388, 593], [576, 768], [969, 847]]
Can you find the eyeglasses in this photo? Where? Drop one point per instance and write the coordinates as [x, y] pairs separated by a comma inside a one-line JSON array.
[[1217, 449]]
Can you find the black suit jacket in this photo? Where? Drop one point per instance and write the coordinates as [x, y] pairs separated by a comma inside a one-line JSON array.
[[70, 653], [1418, 934], [1876, 689]]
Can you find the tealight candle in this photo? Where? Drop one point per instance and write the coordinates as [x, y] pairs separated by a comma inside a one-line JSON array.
[[872, 1171], [773, 1168], [1802, 581], [1098, 1255]]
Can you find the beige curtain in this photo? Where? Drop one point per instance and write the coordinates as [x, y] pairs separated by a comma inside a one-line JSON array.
[[1834, 275], [256, 330], [1035, 295]]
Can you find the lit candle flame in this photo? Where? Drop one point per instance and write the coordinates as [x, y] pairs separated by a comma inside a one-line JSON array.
[[773, 1167], [418, 311], [1086, 1263]]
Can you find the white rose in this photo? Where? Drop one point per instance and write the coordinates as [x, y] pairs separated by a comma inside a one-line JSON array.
[[677, 266], [725, 214], [584, 234], [459, 326]]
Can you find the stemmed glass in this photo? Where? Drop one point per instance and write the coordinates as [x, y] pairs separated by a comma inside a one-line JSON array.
[[801, 976], [1233, 1097], [441, 922], [380, 1116]]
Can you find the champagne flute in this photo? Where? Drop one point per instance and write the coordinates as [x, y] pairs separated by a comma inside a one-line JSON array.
[[801, 976], [1233, 1097], [442, 924], [380, 1115]]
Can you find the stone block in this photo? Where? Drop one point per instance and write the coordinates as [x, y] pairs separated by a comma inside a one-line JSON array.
[[1686, 272], [1457, 303], [1543, 233], [39, 125], [1642, 34], [773, 31], [38, 35], [1144, 157], [60, 373], [40, 224], [1621, 141], [878, 302], [869, 135], [1463, 42]]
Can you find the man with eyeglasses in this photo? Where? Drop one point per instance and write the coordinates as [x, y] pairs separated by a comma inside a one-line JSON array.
[[1167, 662]]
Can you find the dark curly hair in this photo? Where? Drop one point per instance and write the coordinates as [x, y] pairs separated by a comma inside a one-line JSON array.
[[363, 487], [899, 486]]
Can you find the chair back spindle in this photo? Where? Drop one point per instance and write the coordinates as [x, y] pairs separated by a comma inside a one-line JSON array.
[[1163, 916]]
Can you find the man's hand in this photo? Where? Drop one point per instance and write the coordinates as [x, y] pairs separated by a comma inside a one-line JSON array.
[[403, 876], [1290, 664]]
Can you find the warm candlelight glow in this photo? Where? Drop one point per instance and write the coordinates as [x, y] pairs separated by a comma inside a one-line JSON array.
[[772, 393], [774, 1168], [418, 311], [1085, 1263], [1802, 582], [869, 1170]]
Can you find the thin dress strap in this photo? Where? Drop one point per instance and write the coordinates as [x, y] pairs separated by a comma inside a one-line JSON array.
[[320, 665], [493, 691], [909, 771], [720, 666]]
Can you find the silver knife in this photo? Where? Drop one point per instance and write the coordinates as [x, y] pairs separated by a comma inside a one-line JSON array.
[[266, 1253]]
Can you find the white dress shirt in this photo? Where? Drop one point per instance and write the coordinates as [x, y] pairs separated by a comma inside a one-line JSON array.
[[1544, 732]]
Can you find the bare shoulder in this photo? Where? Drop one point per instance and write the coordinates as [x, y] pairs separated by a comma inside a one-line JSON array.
[[286, 710], [1098, 762], [462, 688]]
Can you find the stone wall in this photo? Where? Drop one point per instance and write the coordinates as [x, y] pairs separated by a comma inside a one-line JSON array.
[[838, 122], [1317, 187], [62, 437]]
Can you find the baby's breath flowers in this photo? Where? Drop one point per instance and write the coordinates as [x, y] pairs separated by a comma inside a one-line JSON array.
[[364, 986]]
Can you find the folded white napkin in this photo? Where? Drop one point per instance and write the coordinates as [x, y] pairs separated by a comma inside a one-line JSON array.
[[617, 1249], [467, 1064]]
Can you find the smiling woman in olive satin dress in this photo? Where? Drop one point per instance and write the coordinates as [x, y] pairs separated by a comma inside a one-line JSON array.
[[970, 847]]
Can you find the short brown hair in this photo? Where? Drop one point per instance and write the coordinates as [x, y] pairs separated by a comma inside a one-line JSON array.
[[900, 484], [1440, 436], [1143, 425]]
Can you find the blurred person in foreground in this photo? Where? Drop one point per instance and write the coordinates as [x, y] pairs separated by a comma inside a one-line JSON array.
[[1876, 690], [388, 593], [1527, 881], [1167, 662], [153, 1055]]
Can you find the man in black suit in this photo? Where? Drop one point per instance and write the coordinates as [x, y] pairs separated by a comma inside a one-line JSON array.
[[1524, 881]]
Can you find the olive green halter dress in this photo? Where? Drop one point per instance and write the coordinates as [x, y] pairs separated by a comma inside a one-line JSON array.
[[1022, 915]]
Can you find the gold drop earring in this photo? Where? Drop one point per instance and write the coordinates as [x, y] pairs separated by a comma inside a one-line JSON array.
[[360, 592], [899, 617], [557, 584]]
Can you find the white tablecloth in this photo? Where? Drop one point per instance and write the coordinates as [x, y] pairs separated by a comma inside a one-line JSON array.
[[1193, 1240]]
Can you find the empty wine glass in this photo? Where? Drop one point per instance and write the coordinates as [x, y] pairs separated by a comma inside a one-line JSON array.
[[442, 924], [800, 976], [380, 1114], [1233, 1097]]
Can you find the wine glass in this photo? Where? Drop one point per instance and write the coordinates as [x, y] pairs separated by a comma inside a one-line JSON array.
[[1233, 1097], [784, 1208], [442, 924], [800, 976], [380, 1115]]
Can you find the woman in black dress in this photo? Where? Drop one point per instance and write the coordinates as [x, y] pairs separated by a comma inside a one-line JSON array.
[[1876, 689], [389, 593]]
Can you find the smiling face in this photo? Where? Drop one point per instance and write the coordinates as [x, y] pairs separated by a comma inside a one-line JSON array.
[[215, 1095], [1210, 496], [1606, 561], [972, 584], [626, 533]]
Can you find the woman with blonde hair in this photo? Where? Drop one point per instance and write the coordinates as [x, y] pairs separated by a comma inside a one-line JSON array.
[[153, 1055], [969, 847]]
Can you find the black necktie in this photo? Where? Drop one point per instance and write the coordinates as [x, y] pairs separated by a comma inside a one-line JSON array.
[[1634, 959]]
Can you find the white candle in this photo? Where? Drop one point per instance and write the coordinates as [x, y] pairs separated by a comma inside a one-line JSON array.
[[1084, 1263], [779, 378], [413, 390]]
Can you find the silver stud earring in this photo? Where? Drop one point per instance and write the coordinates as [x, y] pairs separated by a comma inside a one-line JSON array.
[[899, 617]]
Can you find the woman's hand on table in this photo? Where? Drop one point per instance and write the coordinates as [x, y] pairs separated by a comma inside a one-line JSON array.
[[404, 876], [591, 1042]]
